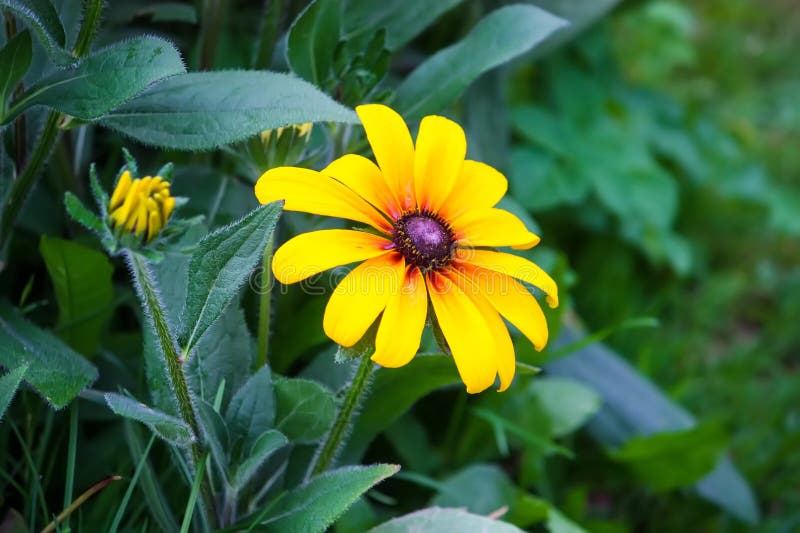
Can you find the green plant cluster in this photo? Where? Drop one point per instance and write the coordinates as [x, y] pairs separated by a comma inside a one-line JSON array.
[[175, 386]]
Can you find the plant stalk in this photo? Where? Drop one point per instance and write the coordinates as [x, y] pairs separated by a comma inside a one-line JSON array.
[[335, 439], [155, 313], [265, 303]]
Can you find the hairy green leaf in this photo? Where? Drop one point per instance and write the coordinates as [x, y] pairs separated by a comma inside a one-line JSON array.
[[104, 79], [169, 428], [251, 411], [225, 352], [498, 38], [313, 38], [267, 444], [81, 278], [43, 18], [205, 110], [221, 264], [8, 386], [438, 519], [314, 506], [304, 409], [56, 371], [15, 58], [81, 214]]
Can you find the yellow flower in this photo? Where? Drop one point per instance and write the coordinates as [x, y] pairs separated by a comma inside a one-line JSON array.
[[435, 214], [140, 205], [301, 130]]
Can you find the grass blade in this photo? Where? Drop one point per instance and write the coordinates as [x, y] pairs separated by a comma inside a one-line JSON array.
[[126, 498]]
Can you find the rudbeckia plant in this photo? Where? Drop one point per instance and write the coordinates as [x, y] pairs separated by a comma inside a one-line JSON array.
[[430, 237]]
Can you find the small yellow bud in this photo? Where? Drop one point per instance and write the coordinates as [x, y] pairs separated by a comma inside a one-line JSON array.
[[142, 205], [301, 130]]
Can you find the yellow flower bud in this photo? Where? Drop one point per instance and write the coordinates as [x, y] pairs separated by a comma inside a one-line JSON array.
[[142, 205]]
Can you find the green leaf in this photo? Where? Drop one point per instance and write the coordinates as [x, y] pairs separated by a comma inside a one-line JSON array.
[[251, 411], [437, 519], [206, 110], [56, 371], [171, 429], [81, 214], [8, 386], [314, 506], [567, 403], [312, 40], [496, 39], [402, 19], [224, 353], [43, 18], [82, 281], [654, 458], [103, 80], [220, 266], [633, 406], [393, 392], [157, 503], [267, 444], [480, 488], [558, 523], [15, 58], [216, 434], [304, 410]]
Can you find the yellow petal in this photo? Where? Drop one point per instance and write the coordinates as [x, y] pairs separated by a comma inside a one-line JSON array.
[[312, 192], [311, 253], [478, 186], [147, 185], [361, 175], [503, 347], [400, 330], [167, 206], [440, 150], [492, 227], [391, 143], [514, 266], [123, 184], [153, 225], [128, 208], [466, 331], [138, 221], [361, 296], [512, 300]]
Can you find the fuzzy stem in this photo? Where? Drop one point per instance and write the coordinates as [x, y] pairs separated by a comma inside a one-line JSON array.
[[335, 439], [155, 312], [89, 24], [265, 301]]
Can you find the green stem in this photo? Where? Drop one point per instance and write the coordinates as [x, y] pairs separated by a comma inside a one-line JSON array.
[[89, 24], [47, 138], [25, 182], [269, 31], [157, 317], [333, 442], [209, 32], [265, 302]]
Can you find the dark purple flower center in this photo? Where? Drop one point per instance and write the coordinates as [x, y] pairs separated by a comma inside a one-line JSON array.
[[424, 240]]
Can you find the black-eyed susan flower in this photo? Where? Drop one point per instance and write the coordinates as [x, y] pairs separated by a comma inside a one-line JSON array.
[[141, 206], [436, 222]]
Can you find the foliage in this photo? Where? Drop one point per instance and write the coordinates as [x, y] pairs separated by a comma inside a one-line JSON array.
[[646, 142]]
